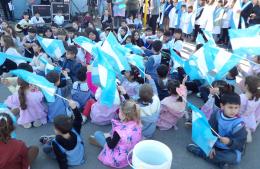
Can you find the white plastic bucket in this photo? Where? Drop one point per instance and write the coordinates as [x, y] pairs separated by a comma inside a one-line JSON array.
[[151, 154]]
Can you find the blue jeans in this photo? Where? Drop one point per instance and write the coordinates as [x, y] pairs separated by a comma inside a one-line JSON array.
[[100, 138], [48, 150]]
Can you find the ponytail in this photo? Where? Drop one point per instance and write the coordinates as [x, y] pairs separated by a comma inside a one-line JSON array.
[[21, 93]]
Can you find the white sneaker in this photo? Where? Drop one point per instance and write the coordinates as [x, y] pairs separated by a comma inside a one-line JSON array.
[[84, 119], [198, 95], [27, 125], [37, 123], [189, 92]]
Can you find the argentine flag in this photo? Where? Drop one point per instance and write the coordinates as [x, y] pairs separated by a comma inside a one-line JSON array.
[[135, 49], [84, 42], [47, 88], [17, 59], [223, 61], [245, 41], [177, 60], [53, 47], [209, 38], [49, 67], [137, 61], [201, 130], [104, 76], [116, 52]]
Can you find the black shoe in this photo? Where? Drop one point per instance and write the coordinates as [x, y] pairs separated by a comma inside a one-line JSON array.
[[194, 149]]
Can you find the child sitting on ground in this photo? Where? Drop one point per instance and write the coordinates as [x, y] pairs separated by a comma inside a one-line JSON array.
[[59, 106], [70, 64], [67, 146], [231, 128], [59, 18], [14, 153], [150, 108], [173, 106], [30, 103], [80, 91], [125, 134], [250, 105]]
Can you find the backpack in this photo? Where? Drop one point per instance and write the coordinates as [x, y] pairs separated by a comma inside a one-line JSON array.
[[81, 96]]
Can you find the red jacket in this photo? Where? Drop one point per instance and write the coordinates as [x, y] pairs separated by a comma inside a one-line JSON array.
[[14, 155]]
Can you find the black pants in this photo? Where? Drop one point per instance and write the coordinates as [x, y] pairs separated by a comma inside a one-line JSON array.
[[153, 21], [6, 10], [225, 37], [197, 30], [132, 12], [7, 66]]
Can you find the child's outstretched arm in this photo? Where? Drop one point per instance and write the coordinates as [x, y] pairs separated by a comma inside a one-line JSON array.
[[77, 123]]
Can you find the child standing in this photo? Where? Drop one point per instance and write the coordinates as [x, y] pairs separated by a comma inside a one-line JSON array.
[[231, 128], [250, 105], [187, 25], [125, 134], [14, 153], [173, 106], [67, 146], [30, 103]]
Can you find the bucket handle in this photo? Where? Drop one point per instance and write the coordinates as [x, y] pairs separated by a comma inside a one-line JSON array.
[[129, 163]]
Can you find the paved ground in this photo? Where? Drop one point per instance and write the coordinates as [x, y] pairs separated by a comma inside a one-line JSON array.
[[175, 139]]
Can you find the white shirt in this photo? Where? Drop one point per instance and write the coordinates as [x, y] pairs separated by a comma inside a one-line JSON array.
[[39, 21], [227, 18], [37, 64], [59, 20]]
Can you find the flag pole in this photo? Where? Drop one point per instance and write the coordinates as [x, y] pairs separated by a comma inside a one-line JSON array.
[[61, 97]]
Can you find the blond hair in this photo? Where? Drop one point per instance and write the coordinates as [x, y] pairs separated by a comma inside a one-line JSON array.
[[131, 111]]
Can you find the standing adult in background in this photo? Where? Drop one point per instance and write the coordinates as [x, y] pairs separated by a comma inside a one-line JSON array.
[[155, 10], [7, 12], [132, 7], [255, 13], [101, 7], [245, 13], [118, 12], [198, 19]]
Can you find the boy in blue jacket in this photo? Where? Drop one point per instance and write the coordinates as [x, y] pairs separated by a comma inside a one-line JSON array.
[[70, 64], [230, 126]]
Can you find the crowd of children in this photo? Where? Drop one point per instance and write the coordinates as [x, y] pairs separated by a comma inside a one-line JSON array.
[[157, 100]]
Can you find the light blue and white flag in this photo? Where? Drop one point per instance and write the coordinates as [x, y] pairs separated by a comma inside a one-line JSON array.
[[201, 130], [223, 61], [204, 63], [104, 76], [177, 60], [135, 49], [49, 67], [16, 59], [116, 52], [85, 43], [209, 38], [47, 88], [53, 47], [137, 61], [236, 16], [245, 41]]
